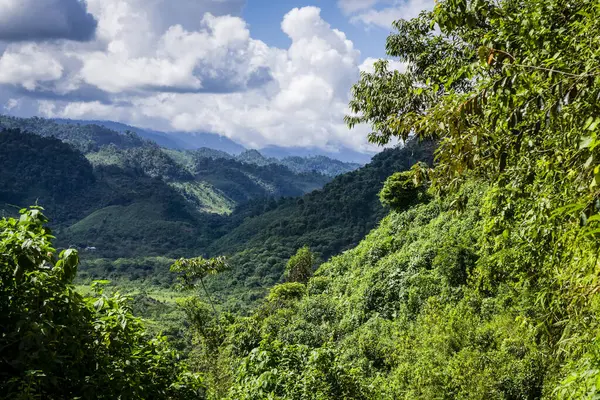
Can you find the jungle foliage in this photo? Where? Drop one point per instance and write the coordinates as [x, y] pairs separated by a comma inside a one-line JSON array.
[[57, 344], [486, 287], [482, 282], [262, 235]]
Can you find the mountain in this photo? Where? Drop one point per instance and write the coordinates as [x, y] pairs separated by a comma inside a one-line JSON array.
[[343, 154], [85, 138], [171, 140], [126, 196], [288, 156], [143, 200], [193, 141], [119, 210], [262, 235], [322, 164], [255, 157], [159, 138]]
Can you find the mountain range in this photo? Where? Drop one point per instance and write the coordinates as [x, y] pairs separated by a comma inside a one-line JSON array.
[[194, 140], [120, 196]]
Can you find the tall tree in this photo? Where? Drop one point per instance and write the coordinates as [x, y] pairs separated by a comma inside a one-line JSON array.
[[300, 266], [510, 89]]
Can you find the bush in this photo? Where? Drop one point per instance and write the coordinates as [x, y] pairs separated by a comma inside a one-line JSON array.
[[57, 344]]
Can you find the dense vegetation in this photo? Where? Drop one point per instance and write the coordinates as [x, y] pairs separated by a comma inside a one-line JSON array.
[[57, 344], [130, 209], [481, 283], [128, 197], [259, 236], [262, 236], [120, 212], [484, 284]]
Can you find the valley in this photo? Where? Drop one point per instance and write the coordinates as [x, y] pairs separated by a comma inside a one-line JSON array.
[[461, 260]]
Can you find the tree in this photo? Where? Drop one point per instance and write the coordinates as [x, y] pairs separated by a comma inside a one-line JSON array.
[[510, 90], [300, 266], [192, 270], [403, 189], [57, 344]]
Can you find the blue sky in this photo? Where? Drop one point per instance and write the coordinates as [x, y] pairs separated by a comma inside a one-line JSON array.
[[260, 72], [264, 17]]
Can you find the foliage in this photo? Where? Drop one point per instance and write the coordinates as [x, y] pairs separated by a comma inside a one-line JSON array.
[[489, 290], [192, 270], [58, 344], [402, 189], [510, 88], [262, 235], [299, 267], [132, 201]]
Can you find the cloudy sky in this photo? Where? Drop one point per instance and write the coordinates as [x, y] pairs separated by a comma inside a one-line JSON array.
[[258, 71]]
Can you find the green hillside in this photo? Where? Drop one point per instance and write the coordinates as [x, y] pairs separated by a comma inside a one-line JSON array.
[[84, 137], [210, 180], [211, 183], [462, 265], [261, 236], [45, 171], [127, 197], [483, 282]]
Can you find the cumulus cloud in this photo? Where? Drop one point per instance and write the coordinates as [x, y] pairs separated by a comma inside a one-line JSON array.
[[22, 66], [201, 73], [26, 20]]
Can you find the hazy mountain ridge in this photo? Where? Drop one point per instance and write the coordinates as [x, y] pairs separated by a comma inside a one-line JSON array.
[[196, 140], [134, 193]]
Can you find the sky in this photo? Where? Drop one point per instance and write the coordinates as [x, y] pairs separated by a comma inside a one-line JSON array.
[[261, 72]]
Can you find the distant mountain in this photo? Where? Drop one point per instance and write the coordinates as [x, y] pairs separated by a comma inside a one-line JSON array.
[[171, 140], [160, 138], [193, 141], [343, 154], [256, 158], [130, 200], [85, 138], [321, 164]]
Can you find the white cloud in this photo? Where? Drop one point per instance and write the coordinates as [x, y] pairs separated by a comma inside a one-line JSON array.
[[368, 65], [203, 72], [383, 13], [11, 104], [28, 66]]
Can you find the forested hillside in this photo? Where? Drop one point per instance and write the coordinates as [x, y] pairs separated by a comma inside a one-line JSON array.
[[127, 197], [260, 235], [118, 211], [123, 200], [85, 138], [329, 221], [483, 281]]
